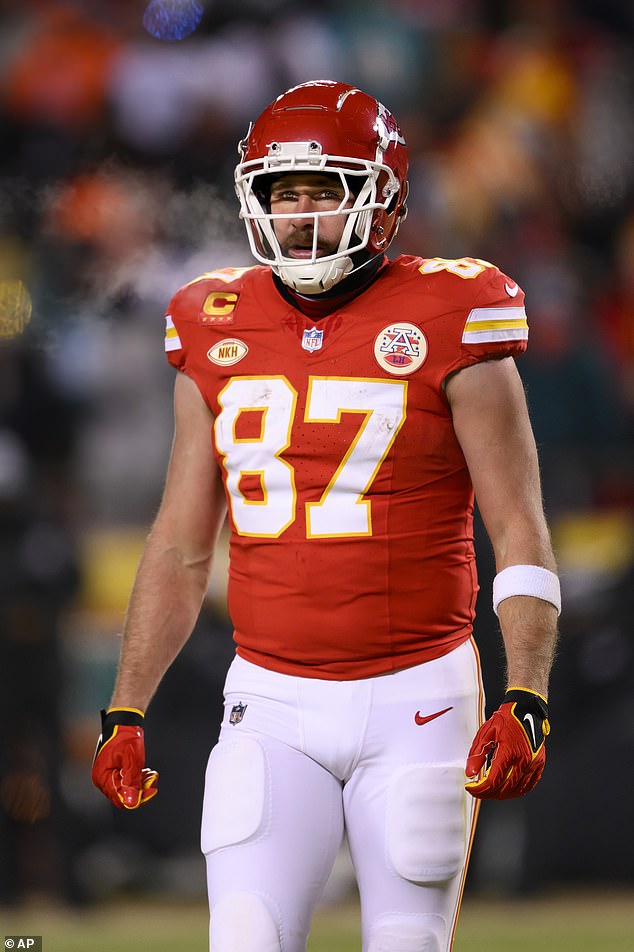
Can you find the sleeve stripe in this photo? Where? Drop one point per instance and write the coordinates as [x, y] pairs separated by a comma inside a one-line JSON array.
[[172, 340], [490, 324], [492, 337]]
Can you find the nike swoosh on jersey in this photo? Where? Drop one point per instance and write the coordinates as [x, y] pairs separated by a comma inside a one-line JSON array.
[[511, 289], [421, 719]]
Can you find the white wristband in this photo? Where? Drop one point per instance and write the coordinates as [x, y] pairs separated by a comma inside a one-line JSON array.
[[526, 580]]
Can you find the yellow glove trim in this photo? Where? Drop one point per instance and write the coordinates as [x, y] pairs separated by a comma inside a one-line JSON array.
[[517, 687]]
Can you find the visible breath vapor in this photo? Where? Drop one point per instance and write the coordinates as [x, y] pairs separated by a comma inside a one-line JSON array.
[[130, 245]]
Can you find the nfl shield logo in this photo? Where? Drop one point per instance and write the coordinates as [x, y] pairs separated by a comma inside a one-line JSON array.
[[312, 339], [237, 713]]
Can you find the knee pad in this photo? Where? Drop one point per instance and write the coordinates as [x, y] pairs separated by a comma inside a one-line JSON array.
[[242, 922], [235, 793], [420, 933], [426, 822]]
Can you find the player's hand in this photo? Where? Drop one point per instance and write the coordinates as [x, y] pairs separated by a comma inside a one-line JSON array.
[[508, 753], [118, 768]]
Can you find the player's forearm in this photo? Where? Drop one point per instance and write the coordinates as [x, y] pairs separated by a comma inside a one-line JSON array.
[[164, 606], [529, 624], [529, 629]]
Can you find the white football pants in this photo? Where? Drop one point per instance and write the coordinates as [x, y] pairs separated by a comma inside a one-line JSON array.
[[300, 759]]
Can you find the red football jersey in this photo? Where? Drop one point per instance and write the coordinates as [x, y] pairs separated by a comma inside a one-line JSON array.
[[350, 503]]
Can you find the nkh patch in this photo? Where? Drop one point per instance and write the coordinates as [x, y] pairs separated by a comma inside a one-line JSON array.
[[400, 348], [227, 352], [237, 713], [312, 339]]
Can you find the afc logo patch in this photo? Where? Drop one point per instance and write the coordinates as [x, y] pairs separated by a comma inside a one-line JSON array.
[[400, 348], [237, 713]]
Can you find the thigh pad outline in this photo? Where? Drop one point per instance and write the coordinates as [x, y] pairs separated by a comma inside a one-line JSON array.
[[236, 793], [426, 822]]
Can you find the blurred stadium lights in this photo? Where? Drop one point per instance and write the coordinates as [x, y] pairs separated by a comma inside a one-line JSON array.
[[172, 20]]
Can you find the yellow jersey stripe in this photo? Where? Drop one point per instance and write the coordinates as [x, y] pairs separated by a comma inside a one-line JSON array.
[[494, 324], [172, 340]]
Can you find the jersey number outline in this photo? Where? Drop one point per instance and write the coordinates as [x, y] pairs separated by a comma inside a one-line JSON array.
[[466, 268], [342, 510]]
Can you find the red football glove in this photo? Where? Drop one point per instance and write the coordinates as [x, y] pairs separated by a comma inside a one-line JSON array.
[[508, 754], [118, 768]]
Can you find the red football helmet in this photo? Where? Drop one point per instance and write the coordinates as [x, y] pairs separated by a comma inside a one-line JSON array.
[[334, 128]]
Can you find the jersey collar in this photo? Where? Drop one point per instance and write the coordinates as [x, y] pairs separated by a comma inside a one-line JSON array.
[[318, 306]]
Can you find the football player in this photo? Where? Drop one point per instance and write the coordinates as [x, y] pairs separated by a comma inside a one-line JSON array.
[[343, 408]]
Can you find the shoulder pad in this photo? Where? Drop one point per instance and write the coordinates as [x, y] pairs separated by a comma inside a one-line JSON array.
[[475, 275], [225, 276], [487, 305], [468, 269], [210, 298]]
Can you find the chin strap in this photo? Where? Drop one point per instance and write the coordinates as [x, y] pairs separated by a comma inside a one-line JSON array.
[[358, 270], [314, 278]]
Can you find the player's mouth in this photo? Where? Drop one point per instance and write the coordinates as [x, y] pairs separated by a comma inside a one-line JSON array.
[[303, 249]]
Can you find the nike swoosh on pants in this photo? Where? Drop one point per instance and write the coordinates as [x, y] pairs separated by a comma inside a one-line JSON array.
[[421, 719]]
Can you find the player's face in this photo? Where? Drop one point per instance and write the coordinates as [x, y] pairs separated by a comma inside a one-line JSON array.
[[300, 194]]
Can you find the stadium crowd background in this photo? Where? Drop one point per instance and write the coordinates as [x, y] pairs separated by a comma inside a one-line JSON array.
[[117, 151]]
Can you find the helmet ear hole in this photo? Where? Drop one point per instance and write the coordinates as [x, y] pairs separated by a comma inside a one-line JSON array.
[[402, 212]]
